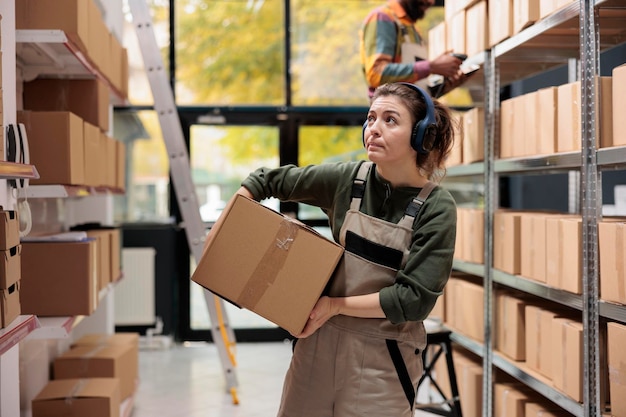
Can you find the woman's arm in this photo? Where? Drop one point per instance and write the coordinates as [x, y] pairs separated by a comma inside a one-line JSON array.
[[365, 306]]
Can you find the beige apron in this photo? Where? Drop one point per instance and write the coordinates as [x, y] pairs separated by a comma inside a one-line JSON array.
[[355, 366]]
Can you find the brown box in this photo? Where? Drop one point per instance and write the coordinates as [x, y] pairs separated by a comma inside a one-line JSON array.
[[267, 263], [114, 339], [71, 16], [437, 40], [10, 306], [103, 242], [529, 109], [612, 257], [525, 13], [533, 246], [569, 111], [56, 146], [455, 30], [507, 131], [89, 99], [110, 162], [547, 121], [544, 409], [116, 254], [616, 340], [93, 155], [48, 283], [509, 399], [100, 361], [120, 163], [9, 229], [564, 253], [93, 397], [474, 232], [469, 309], [473, 135], [567, 372], [507, 241], [476, 29], [500, 20], [456, 154], [619, 102], [510, 336], [10, 266], [99, 41]]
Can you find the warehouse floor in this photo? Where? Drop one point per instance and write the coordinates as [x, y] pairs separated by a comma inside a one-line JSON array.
[[188, 381]]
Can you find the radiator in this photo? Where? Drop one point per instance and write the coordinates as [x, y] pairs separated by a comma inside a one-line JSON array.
[[135, 292]]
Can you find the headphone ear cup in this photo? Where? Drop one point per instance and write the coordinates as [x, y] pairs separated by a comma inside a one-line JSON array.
[[416, 139]]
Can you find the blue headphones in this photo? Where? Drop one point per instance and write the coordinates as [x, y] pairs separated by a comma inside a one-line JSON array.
[[425, 130]]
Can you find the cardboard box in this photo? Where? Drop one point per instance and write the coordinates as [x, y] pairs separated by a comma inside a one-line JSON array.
[[88, 99], [476, 29], [567, 369], [267, 263], [619, 102], [100, 361], [71, 16], [103, 242], [509, 399], [10, 306], [120, 164], [525, 13], [437, 40], [564, 253], [569, 136], [500, 20], [507, 241], [616, 340], [48, 284], [456, 154], [10, 266], [612, 257], [473, 135], [9, 229], [507, 133], [93, 397], [110, 162], [56, 146], [93, 155], [510, 337], [455, 31], [530, 110], [547, 120]]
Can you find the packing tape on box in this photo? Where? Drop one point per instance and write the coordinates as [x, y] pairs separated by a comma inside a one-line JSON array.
[[272, 262], [76, 389], [619, 261], [617, 375], [84, 359]]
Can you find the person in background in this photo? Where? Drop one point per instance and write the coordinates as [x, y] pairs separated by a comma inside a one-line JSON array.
[[360, 351], [393, 50]]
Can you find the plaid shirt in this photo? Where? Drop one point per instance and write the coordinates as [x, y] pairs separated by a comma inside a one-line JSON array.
[[380, 44]]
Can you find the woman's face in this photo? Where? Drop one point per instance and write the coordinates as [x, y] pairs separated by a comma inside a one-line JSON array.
[[388, 132]]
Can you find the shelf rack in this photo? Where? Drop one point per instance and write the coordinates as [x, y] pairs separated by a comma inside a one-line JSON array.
[[16, 331], [576, 32], [51, 54], [14, 171]]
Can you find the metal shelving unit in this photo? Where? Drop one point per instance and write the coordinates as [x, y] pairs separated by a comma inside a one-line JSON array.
[[579, 31]]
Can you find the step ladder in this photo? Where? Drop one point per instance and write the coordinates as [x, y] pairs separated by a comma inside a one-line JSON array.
[[164, 105]]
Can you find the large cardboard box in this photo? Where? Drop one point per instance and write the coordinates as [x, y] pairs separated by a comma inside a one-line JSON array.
[[500, 20], [100, 361], [612, 256], [56, 146], [103, 242], [93, 397], [437, 40], [89, 99], [616, 340], [10, 266], [510, 326], [525, 13], [51, 287], [93, 155], [267, 263], [564, 253], [455, 31]]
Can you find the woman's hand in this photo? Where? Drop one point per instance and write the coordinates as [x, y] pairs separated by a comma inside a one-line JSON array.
[[323, 310]]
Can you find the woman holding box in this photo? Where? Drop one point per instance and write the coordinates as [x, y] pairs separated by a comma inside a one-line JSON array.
[[359, 353]]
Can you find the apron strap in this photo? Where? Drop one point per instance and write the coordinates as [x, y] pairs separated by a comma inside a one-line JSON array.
[[415, 206], [403, 373], [358, 186]]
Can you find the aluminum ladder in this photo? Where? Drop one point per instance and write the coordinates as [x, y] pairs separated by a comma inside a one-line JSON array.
[[164, 105]]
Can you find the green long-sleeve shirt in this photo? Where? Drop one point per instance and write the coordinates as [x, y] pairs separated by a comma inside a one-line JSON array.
[[328, 186]]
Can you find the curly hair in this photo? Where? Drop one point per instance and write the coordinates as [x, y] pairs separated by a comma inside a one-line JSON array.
[[431, 164]]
